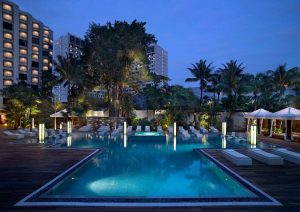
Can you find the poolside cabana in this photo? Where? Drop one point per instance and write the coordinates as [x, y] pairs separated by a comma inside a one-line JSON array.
[[62, 115], [258, 117], [290, 115]]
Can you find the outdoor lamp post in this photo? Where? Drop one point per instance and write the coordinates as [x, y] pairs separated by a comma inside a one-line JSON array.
[[174, 129], [125, 128], [69, 127], [253, 133], [41, 133]]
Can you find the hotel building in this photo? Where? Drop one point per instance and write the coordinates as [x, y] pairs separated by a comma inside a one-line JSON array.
[[25, 48], [158, 60], [66, 44]]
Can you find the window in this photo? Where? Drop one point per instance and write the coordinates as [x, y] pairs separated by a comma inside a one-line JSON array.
[[35, 72], [45, 61], [35, 26], [23, 68], [23, 17], [8, 35], [7, 17], [7, 73], [23, 35], [35, 40], [8, 64], [35, 80], [34, 64], [7, 7], [8, 45], [7, 82], [23, 51], [22, 76], [7, 54], [35, 48], [23, 60], [46, 32], [23, 26], [45, 68], [46, 40], [35, 57], [46, 46], [7, 26], [22, 42], [35, 33]]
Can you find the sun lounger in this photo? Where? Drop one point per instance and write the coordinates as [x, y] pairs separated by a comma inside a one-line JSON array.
[[203, 129], [138, 128], [52, 134], [290, 156], [147, 128], [236, 157], [61, 133], [196, 132], [85, 128], [117, 131], [265, 157], [13, 135], [26, 133], [159, 129], [170, 130], [129, 129], [213, 129]]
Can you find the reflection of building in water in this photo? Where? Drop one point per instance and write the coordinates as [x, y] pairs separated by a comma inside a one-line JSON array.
[[125, 140], [223, 142], [69, 141]]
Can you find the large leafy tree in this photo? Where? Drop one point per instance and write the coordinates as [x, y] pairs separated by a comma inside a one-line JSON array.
[[201, 72], [110, 52]]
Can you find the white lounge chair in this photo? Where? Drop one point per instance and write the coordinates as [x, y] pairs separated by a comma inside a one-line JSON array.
[[213, 129], [170, 130], [203, 129], [159, 129], [129, 129], [103, 130], [52, 134], [13, 135], [265, 157], [85, 128], [117, 131], [236, 157], [26, 133], [147, 128], [290, 156], [138, 128], [61, 133], [196, 132]]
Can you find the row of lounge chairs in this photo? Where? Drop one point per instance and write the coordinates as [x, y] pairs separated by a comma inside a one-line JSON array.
[[277, 156], [22, 133]]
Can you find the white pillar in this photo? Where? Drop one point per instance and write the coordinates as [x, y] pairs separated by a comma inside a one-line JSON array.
[[224, 143], [125, 128], [41, 133], [69, 127], [174, 129], [271, 128], [32, 123], [224, 124], [174, 143], [69, 141], [125, 140]]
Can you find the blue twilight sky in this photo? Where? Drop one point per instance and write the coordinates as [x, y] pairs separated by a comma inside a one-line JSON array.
[[259, 33]]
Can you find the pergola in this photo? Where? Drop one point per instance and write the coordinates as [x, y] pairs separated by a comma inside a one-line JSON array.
[[258, 116], [289, 115]]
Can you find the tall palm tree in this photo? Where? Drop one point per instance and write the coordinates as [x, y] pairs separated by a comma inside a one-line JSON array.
[[71, 75], [201, 72], [215, 87]]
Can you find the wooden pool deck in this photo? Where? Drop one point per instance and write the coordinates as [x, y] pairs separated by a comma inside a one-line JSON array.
[[26, 167]]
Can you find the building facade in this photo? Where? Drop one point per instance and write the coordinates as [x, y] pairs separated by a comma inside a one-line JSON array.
[[158, 60], [71, 45], [25, 48]]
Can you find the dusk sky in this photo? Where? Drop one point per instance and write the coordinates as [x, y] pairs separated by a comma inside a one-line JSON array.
[[260, 33]]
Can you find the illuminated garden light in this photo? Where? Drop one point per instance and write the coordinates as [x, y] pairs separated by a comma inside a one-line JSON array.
[[41, 133], [125, 128], [69, 127], [224, 126], [174, 129]]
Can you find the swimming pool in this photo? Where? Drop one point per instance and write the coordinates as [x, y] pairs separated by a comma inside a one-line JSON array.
[[147, 171]]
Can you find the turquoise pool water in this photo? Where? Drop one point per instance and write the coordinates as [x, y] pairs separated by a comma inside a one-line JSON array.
[[148, 167]]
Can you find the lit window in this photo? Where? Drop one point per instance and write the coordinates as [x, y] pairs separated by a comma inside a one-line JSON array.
[[46, 46], [23, 51], [35, 26], [51, 41], [7, 82], [35, 33], [7, 54], [45, 60], [23, 69], [7, 7], [45, 68], [23, 34], [46, 32], [23, 17], [8, 64], [35, 72], [23, 26], [50, 64], [35, 49], [35, 80], [23, 60], [8, 35], [35, 56], [46, 40], [8, 45], [8, 73], [50, 53], [7, 17]]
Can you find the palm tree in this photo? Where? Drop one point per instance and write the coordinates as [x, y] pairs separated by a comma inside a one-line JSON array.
[[71, 75], [201, 72], [215, 87]]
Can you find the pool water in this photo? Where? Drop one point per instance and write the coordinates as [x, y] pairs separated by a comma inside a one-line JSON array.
[[149, 167]]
